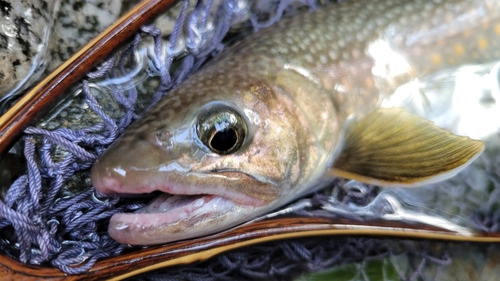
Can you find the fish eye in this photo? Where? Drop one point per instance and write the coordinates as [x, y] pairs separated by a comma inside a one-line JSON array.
[[221, 129]]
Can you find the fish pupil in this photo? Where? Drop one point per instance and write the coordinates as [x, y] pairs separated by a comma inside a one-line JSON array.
[[224, 140], [221, 128]]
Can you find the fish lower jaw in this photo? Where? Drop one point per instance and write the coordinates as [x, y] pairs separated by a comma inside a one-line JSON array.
[[168, 218]]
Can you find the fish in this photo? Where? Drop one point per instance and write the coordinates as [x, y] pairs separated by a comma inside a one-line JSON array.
[[291, 107]]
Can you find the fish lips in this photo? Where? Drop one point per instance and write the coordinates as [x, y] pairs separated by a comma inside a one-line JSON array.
[[166, 219], [190, 205], [171, 217]]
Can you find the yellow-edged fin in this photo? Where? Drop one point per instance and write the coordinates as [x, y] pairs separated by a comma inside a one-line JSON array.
[[393, 147]]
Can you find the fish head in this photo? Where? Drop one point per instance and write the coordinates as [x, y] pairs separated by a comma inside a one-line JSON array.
[[220, 150]]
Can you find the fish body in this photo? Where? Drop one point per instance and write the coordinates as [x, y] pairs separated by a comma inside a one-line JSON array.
[[288, 108]]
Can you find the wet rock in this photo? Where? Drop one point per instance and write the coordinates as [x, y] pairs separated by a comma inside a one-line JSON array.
[[25, 27], [80, 21], [36, 36]]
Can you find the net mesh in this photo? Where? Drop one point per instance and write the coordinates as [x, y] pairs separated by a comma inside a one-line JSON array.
[[51, 215], [284, 260]]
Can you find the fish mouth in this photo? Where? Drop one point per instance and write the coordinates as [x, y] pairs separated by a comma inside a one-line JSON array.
[[180, 205], [169, 218], [176, 214], [188, 205], [170, 209], [176, 207]]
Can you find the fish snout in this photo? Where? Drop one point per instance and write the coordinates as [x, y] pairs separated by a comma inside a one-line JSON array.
[[104, 182], [108, 175], [123, 166]]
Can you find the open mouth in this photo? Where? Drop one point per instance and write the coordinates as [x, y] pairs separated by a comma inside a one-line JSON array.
[[174, 208], [178, 203], [181, 209], [189, 204], [172, 217], [169, 209]]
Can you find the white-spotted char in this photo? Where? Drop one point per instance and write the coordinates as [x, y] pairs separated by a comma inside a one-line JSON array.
[[290, 107]]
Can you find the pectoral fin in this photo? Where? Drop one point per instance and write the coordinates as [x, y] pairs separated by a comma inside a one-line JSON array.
[[393, 147]]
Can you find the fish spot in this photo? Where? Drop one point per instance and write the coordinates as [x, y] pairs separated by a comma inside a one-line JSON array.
[[188, 97], [169, 112], [323, 59], [342, 43], [176, 102], [282, 50], [333, 55], [436, 59], [459, 49], [356, 53], [369, 83], [482, 44], [312, 49], [309, 58]]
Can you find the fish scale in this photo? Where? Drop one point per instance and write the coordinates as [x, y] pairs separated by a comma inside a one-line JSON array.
[[309, 91]]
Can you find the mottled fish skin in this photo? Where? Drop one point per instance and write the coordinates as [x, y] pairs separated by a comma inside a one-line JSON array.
[[341, 56]]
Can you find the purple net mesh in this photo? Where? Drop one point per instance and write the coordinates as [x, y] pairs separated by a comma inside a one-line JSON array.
[[291, 258], [44, 221]]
